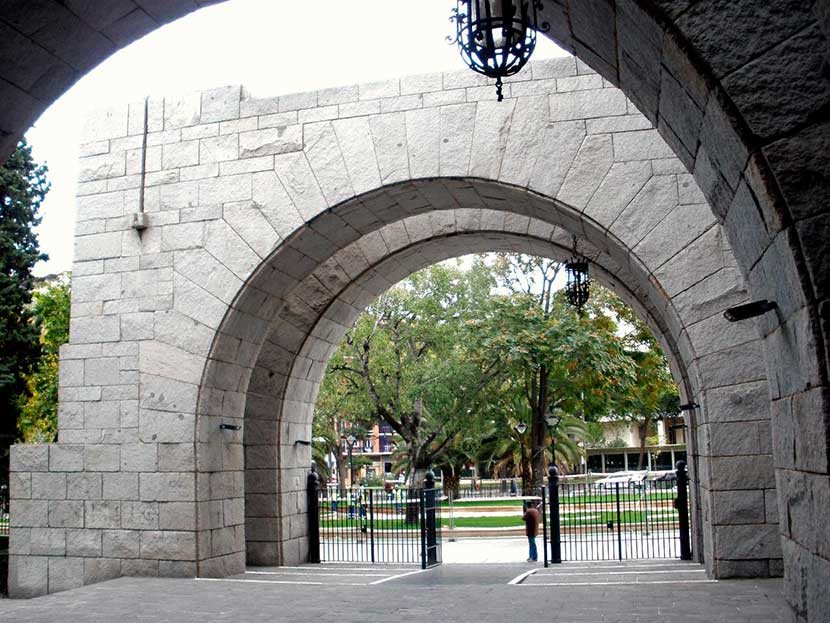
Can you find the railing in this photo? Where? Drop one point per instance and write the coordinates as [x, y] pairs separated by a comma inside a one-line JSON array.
[[4, 513], [4, 540], [618, 520], [370, 526], [490, 489], [401, 525]]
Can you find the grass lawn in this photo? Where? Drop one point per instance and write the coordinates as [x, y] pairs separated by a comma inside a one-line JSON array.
[[599, 520], [472, 502]]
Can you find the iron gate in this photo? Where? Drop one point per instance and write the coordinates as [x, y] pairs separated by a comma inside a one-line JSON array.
[[374, 525], [626, 520]]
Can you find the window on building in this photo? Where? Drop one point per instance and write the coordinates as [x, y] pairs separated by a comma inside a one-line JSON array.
[[614, 462], [634, 460], [663, 461]]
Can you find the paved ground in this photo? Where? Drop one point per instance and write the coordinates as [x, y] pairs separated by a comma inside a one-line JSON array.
[[636, 592]]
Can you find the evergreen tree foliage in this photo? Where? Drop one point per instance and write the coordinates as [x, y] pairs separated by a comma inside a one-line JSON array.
[[23, 186]]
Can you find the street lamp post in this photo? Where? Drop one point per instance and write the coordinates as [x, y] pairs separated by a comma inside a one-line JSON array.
[[553, 422], [350, 439], [521, 429]]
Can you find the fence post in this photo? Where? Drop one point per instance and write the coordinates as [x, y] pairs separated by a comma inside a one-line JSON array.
[[544, 524], [422, 520], [555, 529], [431, 528], [619, 521], [681, 503], [313, 514], [372, 522]]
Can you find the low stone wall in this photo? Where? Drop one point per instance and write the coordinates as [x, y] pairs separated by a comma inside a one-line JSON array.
[[79, 516]]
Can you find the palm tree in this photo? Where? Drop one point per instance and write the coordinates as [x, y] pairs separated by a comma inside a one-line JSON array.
[[503, 447], [568, 451]]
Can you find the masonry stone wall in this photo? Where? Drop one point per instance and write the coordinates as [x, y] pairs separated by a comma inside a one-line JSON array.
[[271, 223], [709, 76]]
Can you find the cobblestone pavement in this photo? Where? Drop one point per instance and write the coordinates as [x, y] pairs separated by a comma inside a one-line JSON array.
[[452, 593]]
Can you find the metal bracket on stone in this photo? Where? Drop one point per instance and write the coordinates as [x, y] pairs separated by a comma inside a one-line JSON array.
[[139, 222]]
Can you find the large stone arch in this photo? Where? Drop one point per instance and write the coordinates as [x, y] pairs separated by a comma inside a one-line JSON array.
[[294, 338], [258, 210], [709, 76]]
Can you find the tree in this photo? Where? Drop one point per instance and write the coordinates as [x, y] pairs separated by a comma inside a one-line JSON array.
[[338, 404], [38, 419], [508, 451], [557, 359], [653, 394], [23, 186], [406, 360]]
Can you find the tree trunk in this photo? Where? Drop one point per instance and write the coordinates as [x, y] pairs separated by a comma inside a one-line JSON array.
[[452, 483], [416, 483], [342, 469], [538, 429], [643, 435], [526, 473]]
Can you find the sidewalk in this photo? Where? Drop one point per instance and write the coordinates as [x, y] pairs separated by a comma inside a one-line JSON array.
[[450, 593], [473, 550]]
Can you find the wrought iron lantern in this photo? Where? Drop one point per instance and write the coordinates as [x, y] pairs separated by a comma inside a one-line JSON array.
[[497, 37], [577, 287]]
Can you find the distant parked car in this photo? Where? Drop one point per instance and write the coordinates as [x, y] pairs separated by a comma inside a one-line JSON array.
[[666, 476], [628, 480]]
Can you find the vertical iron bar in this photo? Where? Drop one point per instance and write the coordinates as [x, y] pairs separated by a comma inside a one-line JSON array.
[[682, 505], [372, 522], [422, 522], [431, 531], [619, 534], [555, 528], [544, 525], [601, 529], [313, 516]]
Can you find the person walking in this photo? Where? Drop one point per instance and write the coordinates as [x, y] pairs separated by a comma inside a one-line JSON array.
[[532, 517]]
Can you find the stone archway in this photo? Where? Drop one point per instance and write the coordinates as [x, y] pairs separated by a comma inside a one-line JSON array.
[[263, 215], [708, 76], [295, 338]]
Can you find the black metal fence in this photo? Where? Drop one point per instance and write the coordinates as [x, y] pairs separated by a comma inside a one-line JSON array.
[[489, 488], [4, 539], [400, 525], [617, 521], [4, 511]]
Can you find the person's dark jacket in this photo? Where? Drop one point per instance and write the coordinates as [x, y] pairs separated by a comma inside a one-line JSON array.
[[531, 519]]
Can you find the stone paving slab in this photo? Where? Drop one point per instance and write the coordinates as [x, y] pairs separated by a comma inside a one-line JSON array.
[[450, 594]]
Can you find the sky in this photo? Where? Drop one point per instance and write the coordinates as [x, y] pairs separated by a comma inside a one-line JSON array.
[[266, 45]]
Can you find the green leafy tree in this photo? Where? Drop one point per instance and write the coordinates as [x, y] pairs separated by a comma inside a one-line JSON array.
[[406, 362], [510, 452], [653, 395], [556, 359], [339, 404], [38, 419], [23, 186]]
